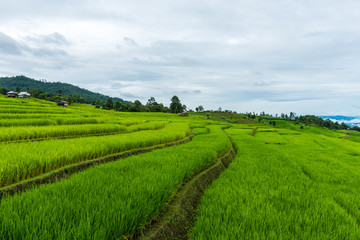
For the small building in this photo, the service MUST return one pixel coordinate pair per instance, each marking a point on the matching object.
(62, 103)
(24, 95)
(12, 94)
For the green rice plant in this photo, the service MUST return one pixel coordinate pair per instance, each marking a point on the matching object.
(37, 116)
(109, 201)
(38, 110)
(145, 126)
(198, 124)
(24, 104)
(42, 132)
(74, 121)
(47, 132)
(28, 159)
(26, 122)
(49, 121)
(307, 188)
(129, 122)
(200, 130)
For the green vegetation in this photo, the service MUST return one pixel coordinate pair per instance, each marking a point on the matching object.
(57, 91)
(49, 90)
(111, 200)
(292, 177)
(284, 185)
(40, 132)
(21, 161)
(51, 121)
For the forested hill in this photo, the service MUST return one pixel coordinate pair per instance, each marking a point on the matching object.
(25, 83)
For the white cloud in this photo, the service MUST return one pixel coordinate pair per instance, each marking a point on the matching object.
(274, 56)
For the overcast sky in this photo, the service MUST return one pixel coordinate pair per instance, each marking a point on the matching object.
(254, 55)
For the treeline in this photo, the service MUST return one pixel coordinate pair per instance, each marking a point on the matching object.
(311, 119)
(49, 90)
(307, 119)
(58, 96)
(151, 106)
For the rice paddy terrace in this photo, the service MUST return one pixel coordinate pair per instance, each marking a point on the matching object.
(86, 173)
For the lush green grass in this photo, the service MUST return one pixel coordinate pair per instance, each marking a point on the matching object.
(286, 182)
(110, 200)
(20, 161)
(44, 116)
(49, 121)
(351, 135)
(45, 132)
(200, 130)
(307, 188)
(30, 133)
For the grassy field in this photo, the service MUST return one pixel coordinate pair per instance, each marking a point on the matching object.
(284, 185)
(111, 200)
(288, 181)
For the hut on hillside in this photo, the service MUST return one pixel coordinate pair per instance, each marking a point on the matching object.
(12, 94)
(62, 103)
(24, 95)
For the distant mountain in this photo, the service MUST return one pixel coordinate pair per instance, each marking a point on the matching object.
(349, 120)
(23, 82)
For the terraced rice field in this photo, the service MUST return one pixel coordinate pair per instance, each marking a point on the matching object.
(284, 184)
(116, 199)
(86, 173)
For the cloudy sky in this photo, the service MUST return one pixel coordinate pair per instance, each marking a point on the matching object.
(259, 55)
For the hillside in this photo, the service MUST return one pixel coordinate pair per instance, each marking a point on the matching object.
(88, 173)
(24, 83)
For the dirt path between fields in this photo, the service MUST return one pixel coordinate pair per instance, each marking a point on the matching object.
(179, 216)
(65, 172)
(344, 137)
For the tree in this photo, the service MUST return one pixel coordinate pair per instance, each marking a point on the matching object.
(18, 89)
(219, 109)
(3, 91)
(124, 107)
(175, 105)
(59, 92)
(152, 105)
(356, 128)
(344, 126)
(69, 99)
(292, 115)
(199, 109)
(184, 107)
(163, 108)
(137, 105)
(151, 101)
(117, 106)
(109, 103)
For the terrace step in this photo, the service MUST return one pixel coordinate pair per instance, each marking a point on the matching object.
(57, 175)
(179, 216)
